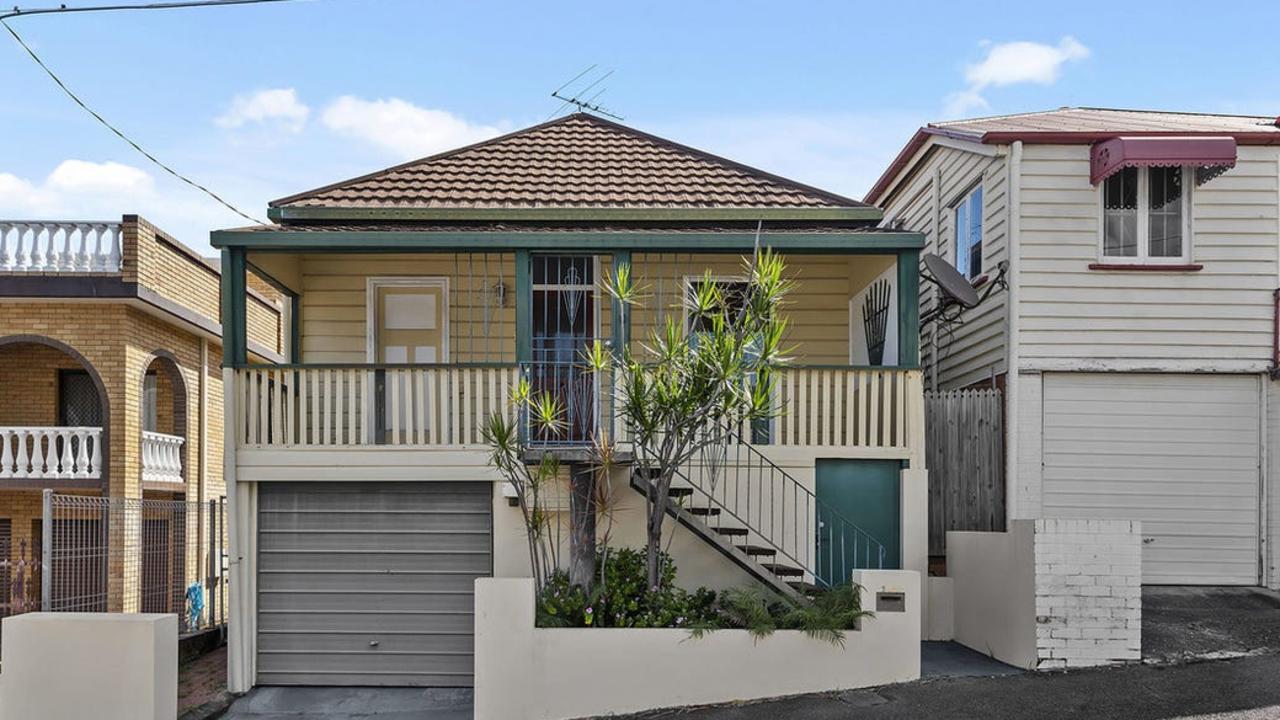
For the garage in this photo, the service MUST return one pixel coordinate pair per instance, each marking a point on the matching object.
(370, 583)
(1179, 452)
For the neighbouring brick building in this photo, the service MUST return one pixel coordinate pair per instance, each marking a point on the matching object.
(110, 385)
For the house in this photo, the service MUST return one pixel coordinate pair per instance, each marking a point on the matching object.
(363, 507)
(1136, 342)
(111, 402)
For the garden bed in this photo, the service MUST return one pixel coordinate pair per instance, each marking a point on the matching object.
(554, 673)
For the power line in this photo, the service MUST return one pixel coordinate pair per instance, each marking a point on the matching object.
(75, 98)
(148, 6)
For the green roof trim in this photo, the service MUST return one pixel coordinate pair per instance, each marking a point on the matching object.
(561, 241)
(574, 214)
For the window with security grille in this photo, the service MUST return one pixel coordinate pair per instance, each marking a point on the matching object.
(78, 404)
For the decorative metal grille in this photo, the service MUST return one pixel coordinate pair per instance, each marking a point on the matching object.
(875, 320)
(565, 323)
(78, 404)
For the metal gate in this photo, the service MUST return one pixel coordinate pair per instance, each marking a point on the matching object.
(964, 444)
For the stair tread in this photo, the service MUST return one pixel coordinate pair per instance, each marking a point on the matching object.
(757, 550)
(702, 511)
(802, 587)
(680, 491)
(779, 569)
(730, 530)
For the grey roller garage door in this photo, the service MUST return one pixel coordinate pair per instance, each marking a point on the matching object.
(370, 583)
(1178, 452)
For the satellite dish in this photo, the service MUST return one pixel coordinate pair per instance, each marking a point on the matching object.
(957, 289)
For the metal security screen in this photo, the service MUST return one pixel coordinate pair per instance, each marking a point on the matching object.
(565, 323)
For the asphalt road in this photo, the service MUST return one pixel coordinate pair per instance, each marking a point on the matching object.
(1137, 692)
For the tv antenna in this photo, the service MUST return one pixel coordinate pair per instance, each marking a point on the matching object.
(580, 99)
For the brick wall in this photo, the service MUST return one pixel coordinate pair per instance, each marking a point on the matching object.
(29, 383)
(1088, 592)
(161, 264)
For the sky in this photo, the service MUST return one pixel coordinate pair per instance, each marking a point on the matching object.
(262, 101)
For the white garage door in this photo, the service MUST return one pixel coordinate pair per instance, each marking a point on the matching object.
(1178, 452)
(370, 583)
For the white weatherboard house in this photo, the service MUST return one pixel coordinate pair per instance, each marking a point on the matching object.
(1137, 337)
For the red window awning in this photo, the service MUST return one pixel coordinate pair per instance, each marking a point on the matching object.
(1211, 156)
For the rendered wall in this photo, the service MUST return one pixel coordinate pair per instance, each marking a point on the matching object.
(1050, 594)
(59, 666)
(544, 674)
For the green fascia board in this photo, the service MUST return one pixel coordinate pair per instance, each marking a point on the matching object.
(566, 214)
(584, 241)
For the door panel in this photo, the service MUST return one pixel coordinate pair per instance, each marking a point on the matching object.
(363, 583)
(1178, 452)
(866, 493)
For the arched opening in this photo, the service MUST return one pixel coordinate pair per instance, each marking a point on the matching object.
(54, 422)
(163, 419)
(168, 530)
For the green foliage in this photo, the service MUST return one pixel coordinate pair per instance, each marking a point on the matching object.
(622, 599)
(827, 617)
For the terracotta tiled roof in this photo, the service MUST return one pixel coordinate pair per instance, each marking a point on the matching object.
(578, 161)
(1105, 120)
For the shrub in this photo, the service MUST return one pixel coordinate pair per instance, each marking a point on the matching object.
(622, 598)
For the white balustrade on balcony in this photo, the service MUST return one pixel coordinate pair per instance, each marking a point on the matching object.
(57, 453)
(161, 457)
(59, 246)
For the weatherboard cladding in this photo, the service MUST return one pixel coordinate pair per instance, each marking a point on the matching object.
(579, 161)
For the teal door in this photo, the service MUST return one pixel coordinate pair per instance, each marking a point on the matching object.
(859, 517)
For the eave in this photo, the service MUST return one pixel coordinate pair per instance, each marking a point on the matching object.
(578, 214)
(284, 240)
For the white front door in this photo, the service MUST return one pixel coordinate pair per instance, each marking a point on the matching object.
(408, 323)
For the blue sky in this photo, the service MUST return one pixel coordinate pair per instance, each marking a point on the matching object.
(262, 101)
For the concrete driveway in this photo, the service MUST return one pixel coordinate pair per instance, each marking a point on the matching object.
(1180, 624)
(290, 703)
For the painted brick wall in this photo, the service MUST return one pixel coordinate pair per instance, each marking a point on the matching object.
(1088, 590)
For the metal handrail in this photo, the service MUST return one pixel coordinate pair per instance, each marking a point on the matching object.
(770, 503)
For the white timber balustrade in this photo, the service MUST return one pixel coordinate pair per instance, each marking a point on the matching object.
(59, 246)
(161, 457)
(426, 405)
(55, 453)
(849, 407)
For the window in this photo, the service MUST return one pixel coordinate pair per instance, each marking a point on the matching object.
(78, 400)
(1144, 215)
(733, 292)
(969, 234)
(150, 389)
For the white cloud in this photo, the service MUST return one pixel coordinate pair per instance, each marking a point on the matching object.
(76, 189)
(82, 176)
(402, 128)
(277, 106)
(1014, 63)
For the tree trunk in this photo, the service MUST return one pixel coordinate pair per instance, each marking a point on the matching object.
(657, 495)
(582, 526)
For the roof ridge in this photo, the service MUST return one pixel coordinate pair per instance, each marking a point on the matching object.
(427, 158)
(1032, 113)
(1193, 113)
(592, 142)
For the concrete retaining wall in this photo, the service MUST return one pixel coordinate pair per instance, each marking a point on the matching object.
(1050, 593)
(70, 666)
(554, 673)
